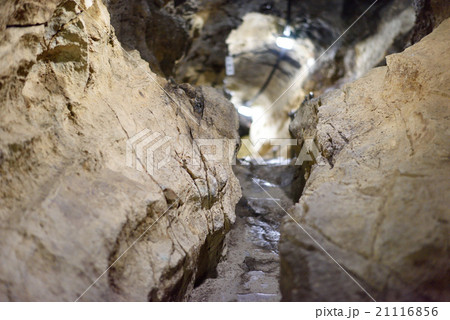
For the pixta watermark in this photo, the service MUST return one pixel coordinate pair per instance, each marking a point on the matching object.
(150, 151)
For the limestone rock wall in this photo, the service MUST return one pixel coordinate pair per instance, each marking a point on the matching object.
(70, 204)
(377, 200)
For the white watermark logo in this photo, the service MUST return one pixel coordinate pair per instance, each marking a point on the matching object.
(309, 152)
(150, 151)
(142, 149)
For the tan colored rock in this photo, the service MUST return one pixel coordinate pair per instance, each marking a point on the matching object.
(380, 203)
(70, 98)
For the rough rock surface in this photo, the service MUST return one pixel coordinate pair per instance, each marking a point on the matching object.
(378, 200)
(70, 99)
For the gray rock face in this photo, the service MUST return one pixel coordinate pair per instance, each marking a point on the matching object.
(429, 14)
(378, 200)
(73, 205)
(160, 37)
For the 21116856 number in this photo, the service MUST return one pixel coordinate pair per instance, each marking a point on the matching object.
(404, 312)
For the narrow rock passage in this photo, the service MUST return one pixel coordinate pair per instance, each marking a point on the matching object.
(250, 269)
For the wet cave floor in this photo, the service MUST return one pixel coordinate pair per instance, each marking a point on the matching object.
(251, 266)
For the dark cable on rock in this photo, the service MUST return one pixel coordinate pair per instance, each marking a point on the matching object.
(269, 78)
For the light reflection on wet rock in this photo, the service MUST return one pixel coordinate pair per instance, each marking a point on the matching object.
(250, 271)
